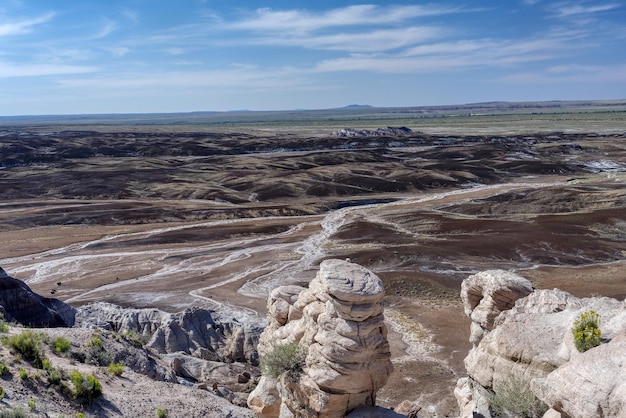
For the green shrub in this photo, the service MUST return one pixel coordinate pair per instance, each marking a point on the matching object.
(116, 369)
(28, 344)
(4, 327)
(13, 413)
(88, 387)
(95, 342)
(513, 398)
(2, 393)
(286, 358)
(32, 404)
(135, 338)
(587, 331)
(161, 412)
(61, 345)
(97, 355)
(55, 376)
(23, 374)
(4, 369)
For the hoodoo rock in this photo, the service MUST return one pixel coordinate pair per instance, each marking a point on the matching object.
(525, 334)
(339, 321)
(18, 303)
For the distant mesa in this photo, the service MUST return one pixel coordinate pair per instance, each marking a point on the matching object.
(357, 106)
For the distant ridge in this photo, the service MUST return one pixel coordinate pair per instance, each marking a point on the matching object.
(357, 106)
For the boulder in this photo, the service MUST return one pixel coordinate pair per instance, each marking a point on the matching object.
(592, 384)
(265, 399)
(339, 321)
(18, 303)
(488, 293)
(524, 333)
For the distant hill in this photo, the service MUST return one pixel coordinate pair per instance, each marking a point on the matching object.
(357, 106)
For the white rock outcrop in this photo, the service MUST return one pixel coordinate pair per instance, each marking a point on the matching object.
(527, 334)
(339, 321)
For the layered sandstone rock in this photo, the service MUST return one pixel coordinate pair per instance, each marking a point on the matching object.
(530, 338)
(18, 303)
(339, 320)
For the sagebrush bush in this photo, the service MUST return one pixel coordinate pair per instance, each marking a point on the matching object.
(61, 345)
(135, 338)
(161, 412)
(87, 387)
(116, 369)
(285, 358)
(587, 331)
(4, 369)
(4, 327)
(55, 376)
(28, 344)
(13, 413)
(513, 398)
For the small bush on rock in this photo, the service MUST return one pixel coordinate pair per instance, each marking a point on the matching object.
(587, 331)
(286, 358)
(515, 399)
(161, 412)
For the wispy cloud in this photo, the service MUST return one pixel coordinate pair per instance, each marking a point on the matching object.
(456, 55)
(23, 26)
(571, 73)
(567, 10)
(373, 40)
(107, 28)
(305, 21)
(238, 76)
(34, 70)
(117, 51)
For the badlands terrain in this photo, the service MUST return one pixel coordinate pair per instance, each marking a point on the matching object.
(216, 214)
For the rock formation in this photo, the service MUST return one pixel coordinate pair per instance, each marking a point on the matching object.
(364, 133)
(193, 331)
(527, 334)
(339, 321)
(18, 303)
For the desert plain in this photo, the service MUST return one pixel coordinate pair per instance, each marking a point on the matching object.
(172, 211)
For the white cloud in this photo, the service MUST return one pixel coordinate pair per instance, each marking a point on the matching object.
(36, 70)
(107, 28)
(23, 26)
(117, 51)
(238, 77)
(571, 73)
(375, 40)
(300, 21)
(577, 9)
(453, 56)
(131, 15)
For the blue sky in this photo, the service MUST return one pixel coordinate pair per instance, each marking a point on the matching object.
(115, 56)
